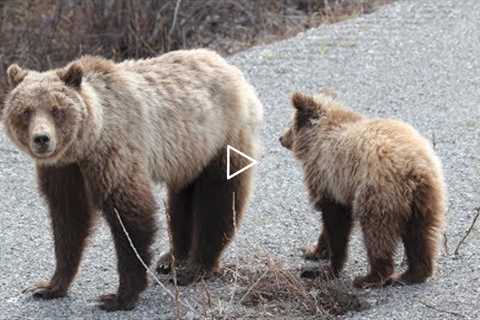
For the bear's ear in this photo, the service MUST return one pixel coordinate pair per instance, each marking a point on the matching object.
(302, 102)
(15, 75)
(72, 76)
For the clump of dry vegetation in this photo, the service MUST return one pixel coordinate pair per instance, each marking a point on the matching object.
(277, 291)
(45, 34)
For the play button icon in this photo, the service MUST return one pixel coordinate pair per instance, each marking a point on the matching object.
(251, 164)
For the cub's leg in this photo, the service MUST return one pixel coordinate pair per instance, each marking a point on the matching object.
(212, 204)
(180, 218)
(319, 250)
(71, 217)
(421, 237)
(380, 225)
(337, 223)
(131, 196)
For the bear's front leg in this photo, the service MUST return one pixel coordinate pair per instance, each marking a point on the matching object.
(337, 224)
(71, 216)
(134, 202)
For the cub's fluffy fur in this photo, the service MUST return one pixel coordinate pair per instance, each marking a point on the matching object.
(103, 133)
(379, 172)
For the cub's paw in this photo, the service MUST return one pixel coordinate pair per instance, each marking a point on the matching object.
(315, 252)
(164, 264)
(44, 290)
(370, 281)
(112, 302)
(407, 278)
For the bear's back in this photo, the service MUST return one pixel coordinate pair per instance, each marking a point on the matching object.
(383, 152)
(182, 108)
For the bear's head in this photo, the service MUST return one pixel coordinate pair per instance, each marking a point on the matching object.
(313, 118)
(44, 111)
(307, 110)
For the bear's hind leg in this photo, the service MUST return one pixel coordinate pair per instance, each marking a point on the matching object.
(380, 258)
(421, 238)
(380, 244)
(214, 224)
(179, 211)
(380, 225)
(420, 257)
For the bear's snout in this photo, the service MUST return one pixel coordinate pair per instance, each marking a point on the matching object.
(42, 135)
(42, 144)
(41, 141)
(286, 139)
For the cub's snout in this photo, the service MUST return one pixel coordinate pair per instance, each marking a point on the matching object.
(286, 139)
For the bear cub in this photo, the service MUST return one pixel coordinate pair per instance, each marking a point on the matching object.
(379, 172)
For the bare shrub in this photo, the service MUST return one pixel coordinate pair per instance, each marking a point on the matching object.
(49, 33)
(280, 291)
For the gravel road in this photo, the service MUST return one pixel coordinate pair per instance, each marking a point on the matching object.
(413, 60)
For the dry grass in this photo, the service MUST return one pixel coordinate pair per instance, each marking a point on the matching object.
(277, 291)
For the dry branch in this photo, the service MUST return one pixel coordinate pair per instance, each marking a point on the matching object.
(173, 263)
(472, 225)
(149, 271)
(453, 313)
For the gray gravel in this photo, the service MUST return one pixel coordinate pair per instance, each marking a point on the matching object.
(413, 60)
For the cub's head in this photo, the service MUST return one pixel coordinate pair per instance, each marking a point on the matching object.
(313, 116)
(307, 114)
(43, 112)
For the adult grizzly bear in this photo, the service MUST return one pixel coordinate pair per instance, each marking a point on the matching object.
(102, 133)
(379, 172)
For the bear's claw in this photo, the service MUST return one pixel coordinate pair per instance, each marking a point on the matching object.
(112, 302)
(44, 290)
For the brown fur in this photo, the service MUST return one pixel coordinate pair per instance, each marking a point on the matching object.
(102, 134)
(379, 172)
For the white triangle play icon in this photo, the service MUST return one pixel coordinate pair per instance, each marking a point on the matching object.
(251, 164)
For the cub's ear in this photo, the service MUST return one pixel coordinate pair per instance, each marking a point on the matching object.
(15, 75)
(72, 75)
(302, 102)
(328, 92)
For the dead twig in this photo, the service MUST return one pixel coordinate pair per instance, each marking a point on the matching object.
(175, 14)
(235, 273)
(445, 244)
(453, 313)
(477, 209)
(172, 264)
(140, 259)
(208, 296)
(254, 285)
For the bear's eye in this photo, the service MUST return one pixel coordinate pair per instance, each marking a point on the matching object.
(25, 115)
(56, 112)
